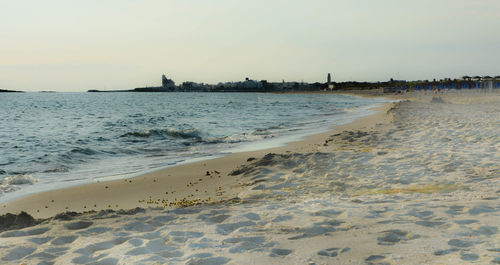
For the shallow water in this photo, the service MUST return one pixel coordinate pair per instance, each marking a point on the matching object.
(62, 139)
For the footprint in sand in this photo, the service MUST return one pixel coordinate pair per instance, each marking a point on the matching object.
(461, 243)
(95, 230)
(429, 223)
(243, 244)
(318, 229)
(445, 252)
(182, 236)
(392, 237)
(282, 218)
(78, 225)
(88, 260)
(280, 252)
(37, 231)
(162, 220)
(455, 210)
(469, 256)
(20, 233)
(42, 256)
(424, 215)
(213, 219)
(332, 252)
(89, 250)
(252, 216)
(40, 240)
(63, 240)
(208, 261)
(481, 209)
(135, 242)
(226, 229)
(465, 222)
(138, 227)
(57, 250)
(18, 253)
(374, 258)
(487, 230)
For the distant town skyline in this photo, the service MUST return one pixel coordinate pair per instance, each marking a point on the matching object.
(80, 45)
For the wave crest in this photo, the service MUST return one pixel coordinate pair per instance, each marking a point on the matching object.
(12, 183)
(184, 134)
(237, 138)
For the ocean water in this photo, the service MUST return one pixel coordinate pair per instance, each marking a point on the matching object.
(56, 140)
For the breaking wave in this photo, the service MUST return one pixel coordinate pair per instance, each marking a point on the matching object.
(12, 183)
(88, 136)
(194, 134)
(237, 138)
(184, 134)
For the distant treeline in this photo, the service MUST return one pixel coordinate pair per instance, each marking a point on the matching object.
(9, 91)
(259, 86)
(264, 86)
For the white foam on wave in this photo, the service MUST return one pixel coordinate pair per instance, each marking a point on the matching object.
(238, 138)
(12, 183)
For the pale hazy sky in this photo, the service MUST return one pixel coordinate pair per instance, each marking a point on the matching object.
(70, 45)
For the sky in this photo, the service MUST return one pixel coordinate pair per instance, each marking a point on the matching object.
(70, 45)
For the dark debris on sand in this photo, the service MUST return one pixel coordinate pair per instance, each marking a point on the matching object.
(22, 220)
(16, 221)
(270, 159)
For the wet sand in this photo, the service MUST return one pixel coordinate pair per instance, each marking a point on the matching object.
(416, 183)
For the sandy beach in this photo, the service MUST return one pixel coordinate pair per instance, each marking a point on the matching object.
(415, 183)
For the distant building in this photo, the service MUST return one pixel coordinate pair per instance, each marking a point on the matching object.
(196, 87)
(167, 83)
(329, 83)
(488, 82)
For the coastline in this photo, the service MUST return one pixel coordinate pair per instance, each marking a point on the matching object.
(174, 185)
(415, 184)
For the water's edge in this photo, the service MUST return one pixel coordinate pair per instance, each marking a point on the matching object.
(245, 147)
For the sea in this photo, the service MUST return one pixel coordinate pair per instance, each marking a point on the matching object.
(56, 140)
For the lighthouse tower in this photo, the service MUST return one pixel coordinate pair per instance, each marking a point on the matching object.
(329, 82)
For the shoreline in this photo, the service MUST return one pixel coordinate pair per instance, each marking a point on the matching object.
(174, 185)
(415, 184)
(93, 162)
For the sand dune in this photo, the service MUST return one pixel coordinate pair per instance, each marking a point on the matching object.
(414, 184)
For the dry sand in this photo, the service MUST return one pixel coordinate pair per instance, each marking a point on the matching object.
(416, 183)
